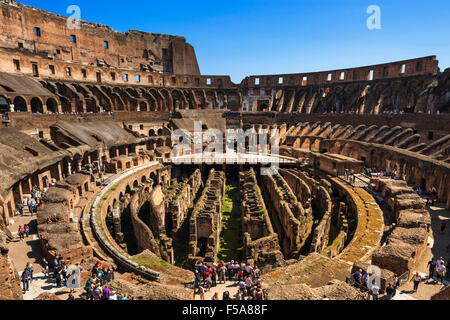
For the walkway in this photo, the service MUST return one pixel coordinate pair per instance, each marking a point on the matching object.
(437, 247)
(29, 250)
(230, 286)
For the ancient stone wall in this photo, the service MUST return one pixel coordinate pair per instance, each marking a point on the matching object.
(182, 199)
(260, 240)
(206, 220)
(32, 31)
(406, 243)
(291, 221)
(419, 66)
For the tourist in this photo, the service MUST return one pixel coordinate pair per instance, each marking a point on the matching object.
(240, 275)
(375, 292)
(238, 295)
(44, 264)
(26, 280)
(389, 292)
(441, 271)
(395, 284)
(364, 279)
(59, 277)
(109, 276)
(113, 296)
(27, 230)
(241, 285)
(30, 270)
(226, 296)
(230, 270)
(215, 297)
(20, 207)
(259, 294)
(202, 292)
(125, 297)
(256, 272)
(357, 276)
(208, 280)
(213, 276)
(64, 270)
(248, 284)
(431, 268)
(223, 271)
(21, 233)
(106, 293)
(88, 288)
(417, 280)
(30, 206)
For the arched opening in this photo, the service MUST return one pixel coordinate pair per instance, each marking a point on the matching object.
(4, 105)
(36, 106)
(52, 106)
(153, 178)
(151, 133)
(20, 105)
(160, 132)
(143, 107)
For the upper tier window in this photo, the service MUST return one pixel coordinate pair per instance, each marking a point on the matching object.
(37, 32)
(73, 38)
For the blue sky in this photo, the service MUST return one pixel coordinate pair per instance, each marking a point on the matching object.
(255, 37)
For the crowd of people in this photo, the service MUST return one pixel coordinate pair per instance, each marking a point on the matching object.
(34, 202)
(96, 286)
(361, 281)
(246, 277)
(431, 195)
(438, 267)
(437, 271)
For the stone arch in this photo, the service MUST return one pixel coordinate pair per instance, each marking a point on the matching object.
(143, 107)
(20, 104)
(52, 105)
(151, 133)
(167, 99)
(4, 104)
(153, 178)
(128, 189)
(160, 132)
(36, 105)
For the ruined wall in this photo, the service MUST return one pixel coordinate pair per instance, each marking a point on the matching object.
(206, 220)
(134, 49)
(10, 288)
(412, 94)
(143, 233)
(261, 246)
(182, 199)
(419, 66)
(291, 222)
(406, 243)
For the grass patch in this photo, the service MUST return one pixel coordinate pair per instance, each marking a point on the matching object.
(230, 244)
(150, 262)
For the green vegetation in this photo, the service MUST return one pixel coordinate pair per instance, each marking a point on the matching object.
(230, 245)
(151, 262)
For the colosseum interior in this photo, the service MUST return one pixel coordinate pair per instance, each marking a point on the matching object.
(90, 119)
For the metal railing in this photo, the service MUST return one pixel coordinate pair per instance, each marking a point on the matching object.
(359, 286)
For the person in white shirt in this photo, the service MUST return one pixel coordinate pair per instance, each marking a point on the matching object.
(113, 296)
(417, 279)
(375, 292)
